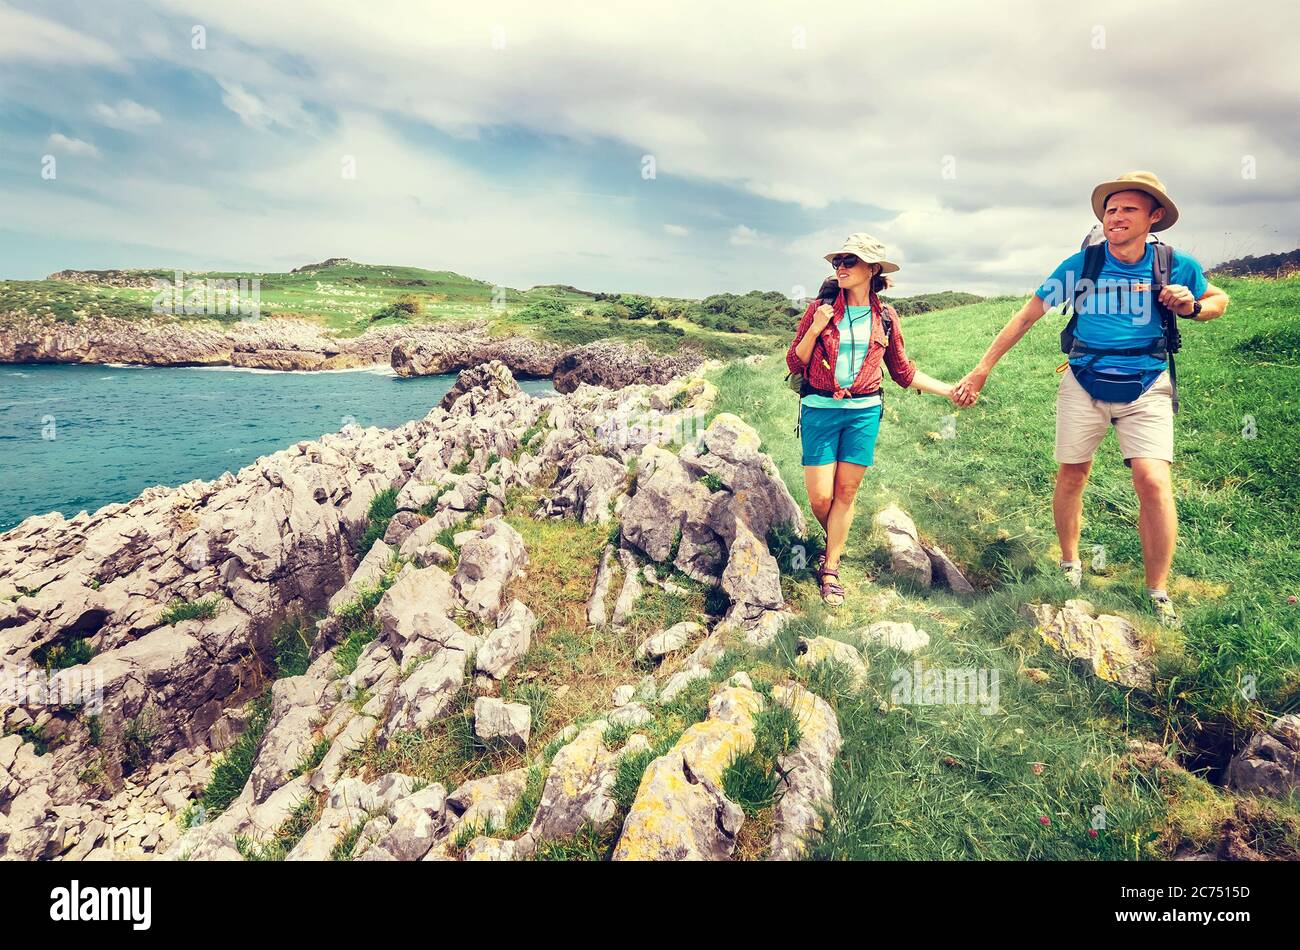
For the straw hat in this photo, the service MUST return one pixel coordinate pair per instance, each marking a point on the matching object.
(1136, 181)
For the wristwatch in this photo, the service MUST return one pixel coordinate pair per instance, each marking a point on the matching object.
(1196, 312)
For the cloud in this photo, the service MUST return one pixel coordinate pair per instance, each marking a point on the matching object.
(744, 236)
(72, 146)
(676, 230)
(261, 112)
(25, 37)
(127, 114)
(968, 142)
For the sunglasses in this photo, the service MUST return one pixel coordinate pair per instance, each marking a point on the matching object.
(845, 260)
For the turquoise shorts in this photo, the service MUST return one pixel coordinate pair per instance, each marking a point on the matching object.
(839, 435)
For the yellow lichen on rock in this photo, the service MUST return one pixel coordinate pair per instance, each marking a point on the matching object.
(680, 811)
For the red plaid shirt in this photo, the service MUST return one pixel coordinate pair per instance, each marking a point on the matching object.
(821, 370)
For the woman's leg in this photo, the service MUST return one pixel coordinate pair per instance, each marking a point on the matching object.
(819, 480)
(847, 478)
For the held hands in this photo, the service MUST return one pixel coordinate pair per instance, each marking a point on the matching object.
(1178, 298)
(968, 389)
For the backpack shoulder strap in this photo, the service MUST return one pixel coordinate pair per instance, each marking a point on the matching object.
(1094, 256)
(887, 317)
(1161, 268)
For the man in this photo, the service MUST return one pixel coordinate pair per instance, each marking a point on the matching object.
(1118, 368)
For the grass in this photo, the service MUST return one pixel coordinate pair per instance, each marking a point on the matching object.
(292, 648)
(231, 772)
(64, 653)
(927, 782)
(138, 737)
(178, 611)
(382, 508)
(287, 835)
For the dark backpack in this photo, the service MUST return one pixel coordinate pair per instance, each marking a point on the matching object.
(1163, 346)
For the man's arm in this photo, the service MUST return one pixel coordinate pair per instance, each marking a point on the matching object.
(968, 390)
(1179, 299)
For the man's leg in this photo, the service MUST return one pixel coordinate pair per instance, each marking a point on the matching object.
(1157, 519)
(1067, 506)
(848, 477)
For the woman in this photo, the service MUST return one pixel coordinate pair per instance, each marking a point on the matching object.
(839, 349)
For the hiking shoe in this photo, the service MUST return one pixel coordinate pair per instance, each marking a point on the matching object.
(1073, 574)
(1164, 611)
(832, 592)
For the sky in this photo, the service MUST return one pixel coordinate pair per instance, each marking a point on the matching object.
(670, 148)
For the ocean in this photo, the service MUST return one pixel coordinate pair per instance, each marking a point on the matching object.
(76, 437)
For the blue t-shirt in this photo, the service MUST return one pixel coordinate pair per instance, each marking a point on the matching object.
(855, 339)
(1120, 313)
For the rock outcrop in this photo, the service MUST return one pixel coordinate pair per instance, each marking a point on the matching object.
(182, 595)
(614, 365)
(1269, 764)
(267, 343)
(448, 353)
(1105, 645)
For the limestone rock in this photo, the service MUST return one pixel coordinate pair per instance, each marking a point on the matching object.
(659, 645)
(486, 802)
(1269, 764)
(815, 650)
(509, 722)
(907, 557)
(899, 636)
(488, 562)
(680, 811)
(805, 771)
(1106, 645)
(945, 573)
(428, 693)
(506, 645)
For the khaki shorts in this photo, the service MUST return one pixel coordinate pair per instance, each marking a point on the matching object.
(1144, 427)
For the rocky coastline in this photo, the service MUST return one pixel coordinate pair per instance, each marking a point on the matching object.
(295, 345)
(279, 540)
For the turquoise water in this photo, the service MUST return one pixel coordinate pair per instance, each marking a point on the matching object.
(74, 437)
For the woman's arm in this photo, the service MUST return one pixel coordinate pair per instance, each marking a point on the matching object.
(928, 384)
(805, 338)
(796, 357)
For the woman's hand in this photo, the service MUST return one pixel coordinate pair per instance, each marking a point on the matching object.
(968, 389)
(821, 318)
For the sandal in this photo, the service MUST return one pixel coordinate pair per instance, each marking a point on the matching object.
(832, 591)
(819, 567)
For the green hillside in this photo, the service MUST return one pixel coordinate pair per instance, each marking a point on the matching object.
(951, 782)
(350, 298)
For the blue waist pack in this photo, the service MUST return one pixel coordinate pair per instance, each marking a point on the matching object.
(1114, 387)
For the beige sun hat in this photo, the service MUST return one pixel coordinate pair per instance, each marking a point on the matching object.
(1136, 181)
(867, 249)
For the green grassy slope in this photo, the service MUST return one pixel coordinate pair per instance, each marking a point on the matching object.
(950, 781)
(349, 298)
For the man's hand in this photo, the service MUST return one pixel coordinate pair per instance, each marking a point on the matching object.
(968, 389)
(1178, 298)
